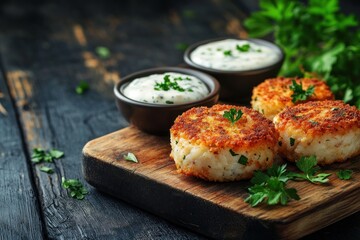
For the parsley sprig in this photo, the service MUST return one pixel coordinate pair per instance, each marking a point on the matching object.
(233, 115)
(299, 93)
(270, 187)
(75, 187)
(309, 168)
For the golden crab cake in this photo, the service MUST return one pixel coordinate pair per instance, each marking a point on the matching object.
(273, 95)
(330, 130)
(208, 145)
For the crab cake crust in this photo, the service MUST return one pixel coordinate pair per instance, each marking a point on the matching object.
(207, 145)
(273, 95)
(328, 129)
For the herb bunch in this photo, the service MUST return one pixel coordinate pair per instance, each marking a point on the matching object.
(315, 36)
(270, 187)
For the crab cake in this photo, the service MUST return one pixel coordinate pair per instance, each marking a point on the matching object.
(273, 95)
(328, 129)
(208, 145)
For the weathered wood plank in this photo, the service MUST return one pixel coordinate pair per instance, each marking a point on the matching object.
(20, 217)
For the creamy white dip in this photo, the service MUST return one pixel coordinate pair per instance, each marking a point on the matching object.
(234, 55)
(166, 88)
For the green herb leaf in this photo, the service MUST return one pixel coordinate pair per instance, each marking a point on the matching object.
(75, 187)
(130, 157)
(323, 20)
(181, 46)
(308, 165)
(39, 155)
(56, 153)
(82, 87)
(300, 94)
(233, 115)
(270, 187)
(167, 84)
(102, 52)
(344, 174)
(243, 160)
(292, 141)
(169, 102)
(227, 53)
(46, 169)
(243, 48)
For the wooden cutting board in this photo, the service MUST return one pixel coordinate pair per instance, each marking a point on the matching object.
(216, 210)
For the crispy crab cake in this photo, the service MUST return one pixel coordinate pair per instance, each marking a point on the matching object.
(207, 145)
(273, 95)
(330, 130)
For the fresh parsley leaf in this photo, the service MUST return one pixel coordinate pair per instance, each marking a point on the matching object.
(82, 87)
(130, 157)
(344, 174)
(308, 165)
(75, 187)
(243, 160)
(243, 48)
(102, 52)
(56, 153)
(40, 155)
(227, 53)
(329, 60)
(270, 187)
(233, 115)
(181, 46)
(299, 93)
(46, 169)
(292, 141)
(169, 102)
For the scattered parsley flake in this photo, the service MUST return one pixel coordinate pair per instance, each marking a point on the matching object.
(46, 169)
(82, 87)
(102, 52)
(292, 141)
(75, 187)
(130, 157)
(227, 53)
(344, 174)
(181, 46)
(243, 160)
(169, 102)
(243, 48)
(40, 155)
(300, 94)
(167, 84)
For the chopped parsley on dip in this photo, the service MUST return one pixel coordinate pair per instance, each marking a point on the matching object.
(166, 88)
(234, 55)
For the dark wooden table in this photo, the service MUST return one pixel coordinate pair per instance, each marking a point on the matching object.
(46, 49)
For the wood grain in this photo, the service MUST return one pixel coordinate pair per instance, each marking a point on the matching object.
(106, 169)
(20, 217)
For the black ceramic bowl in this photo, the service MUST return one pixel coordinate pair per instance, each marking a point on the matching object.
(158, 118)
(236, 86)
